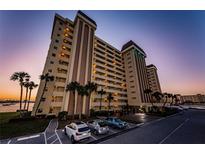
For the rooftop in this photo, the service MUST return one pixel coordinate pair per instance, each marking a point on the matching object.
(85, 16)
(130, 43)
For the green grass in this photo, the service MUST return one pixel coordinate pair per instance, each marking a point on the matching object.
(6, 116)
(20, 128)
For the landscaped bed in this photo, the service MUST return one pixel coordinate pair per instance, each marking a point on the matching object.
(19, 127)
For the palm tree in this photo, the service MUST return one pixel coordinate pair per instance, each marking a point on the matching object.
(32, 85)
(157, 95)
(91, 87)
(101, 93)
(20, 77)
(26, 85)
(166, 97)
(149, 91)
(82, 91)
(169, 96)
(47, 78)
(72, 87)
(174, 97)
(110, 98)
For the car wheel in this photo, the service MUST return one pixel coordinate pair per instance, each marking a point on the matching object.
(72, 139)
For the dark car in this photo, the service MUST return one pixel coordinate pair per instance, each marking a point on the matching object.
(116, 122)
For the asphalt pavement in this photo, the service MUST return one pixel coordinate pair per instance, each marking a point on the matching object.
(187, 127)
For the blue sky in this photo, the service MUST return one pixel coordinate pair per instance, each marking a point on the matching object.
(172, 40)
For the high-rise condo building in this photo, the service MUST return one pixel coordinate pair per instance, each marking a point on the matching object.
(153, 78)
(77, 54)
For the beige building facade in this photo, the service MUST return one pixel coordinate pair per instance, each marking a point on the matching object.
(199, 98)
(77, 54)
(153, 78)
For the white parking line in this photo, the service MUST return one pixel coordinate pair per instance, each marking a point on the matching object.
(58, 137)
(9, 142)
(29, 137)
(93, 137)
(44, 134)
(57, 134)
(140, 124)
(48, 125)
(51, 136)
(54, 141)
(173, 131)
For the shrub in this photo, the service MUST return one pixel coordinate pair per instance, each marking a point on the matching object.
(51, 116)
(42, 116)
(63, 116)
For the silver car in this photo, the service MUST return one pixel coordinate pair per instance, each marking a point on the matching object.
(98, 126)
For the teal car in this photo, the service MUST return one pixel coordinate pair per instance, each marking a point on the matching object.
(116, 122)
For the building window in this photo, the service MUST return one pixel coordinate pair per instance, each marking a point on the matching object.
(67, 35)
(63, 63)
(133, 97)
(50, 70)
(55, 47)
(53, 54)
(64, 55)
(61, 23)
(59, 29)
(60, 89)
(58, 34)
(51, 62)
(58, 98)
(57, 41)
(59, 79)
(66, 48)
(67, 42)
(63, 71)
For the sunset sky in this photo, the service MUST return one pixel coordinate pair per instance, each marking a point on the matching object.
(174, 41)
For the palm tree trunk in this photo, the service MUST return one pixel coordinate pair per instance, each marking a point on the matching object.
(41, 98)
(74, 105)
(81, 108)
(29, 98)
(21, 98)
(165, 103)
(100, 101)
(109, 108)
(26, 98)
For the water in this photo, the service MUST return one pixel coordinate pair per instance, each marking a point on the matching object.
(13, 107)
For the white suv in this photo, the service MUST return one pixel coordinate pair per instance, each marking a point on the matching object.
(77, 131)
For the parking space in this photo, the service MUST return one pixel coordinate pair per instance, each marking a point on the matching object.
(66, 140)
(27, 139)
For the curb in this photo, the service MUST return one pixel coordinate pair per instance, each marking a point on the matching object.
(194, 108)
(115, 134)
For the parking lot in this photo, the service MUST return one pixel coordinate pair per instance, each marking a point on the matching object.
(65, 139)
(52, 135)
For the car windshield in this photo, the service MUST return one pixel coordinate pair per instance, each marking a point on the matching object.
(102, 124)
(118, 120)
(83, 129)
